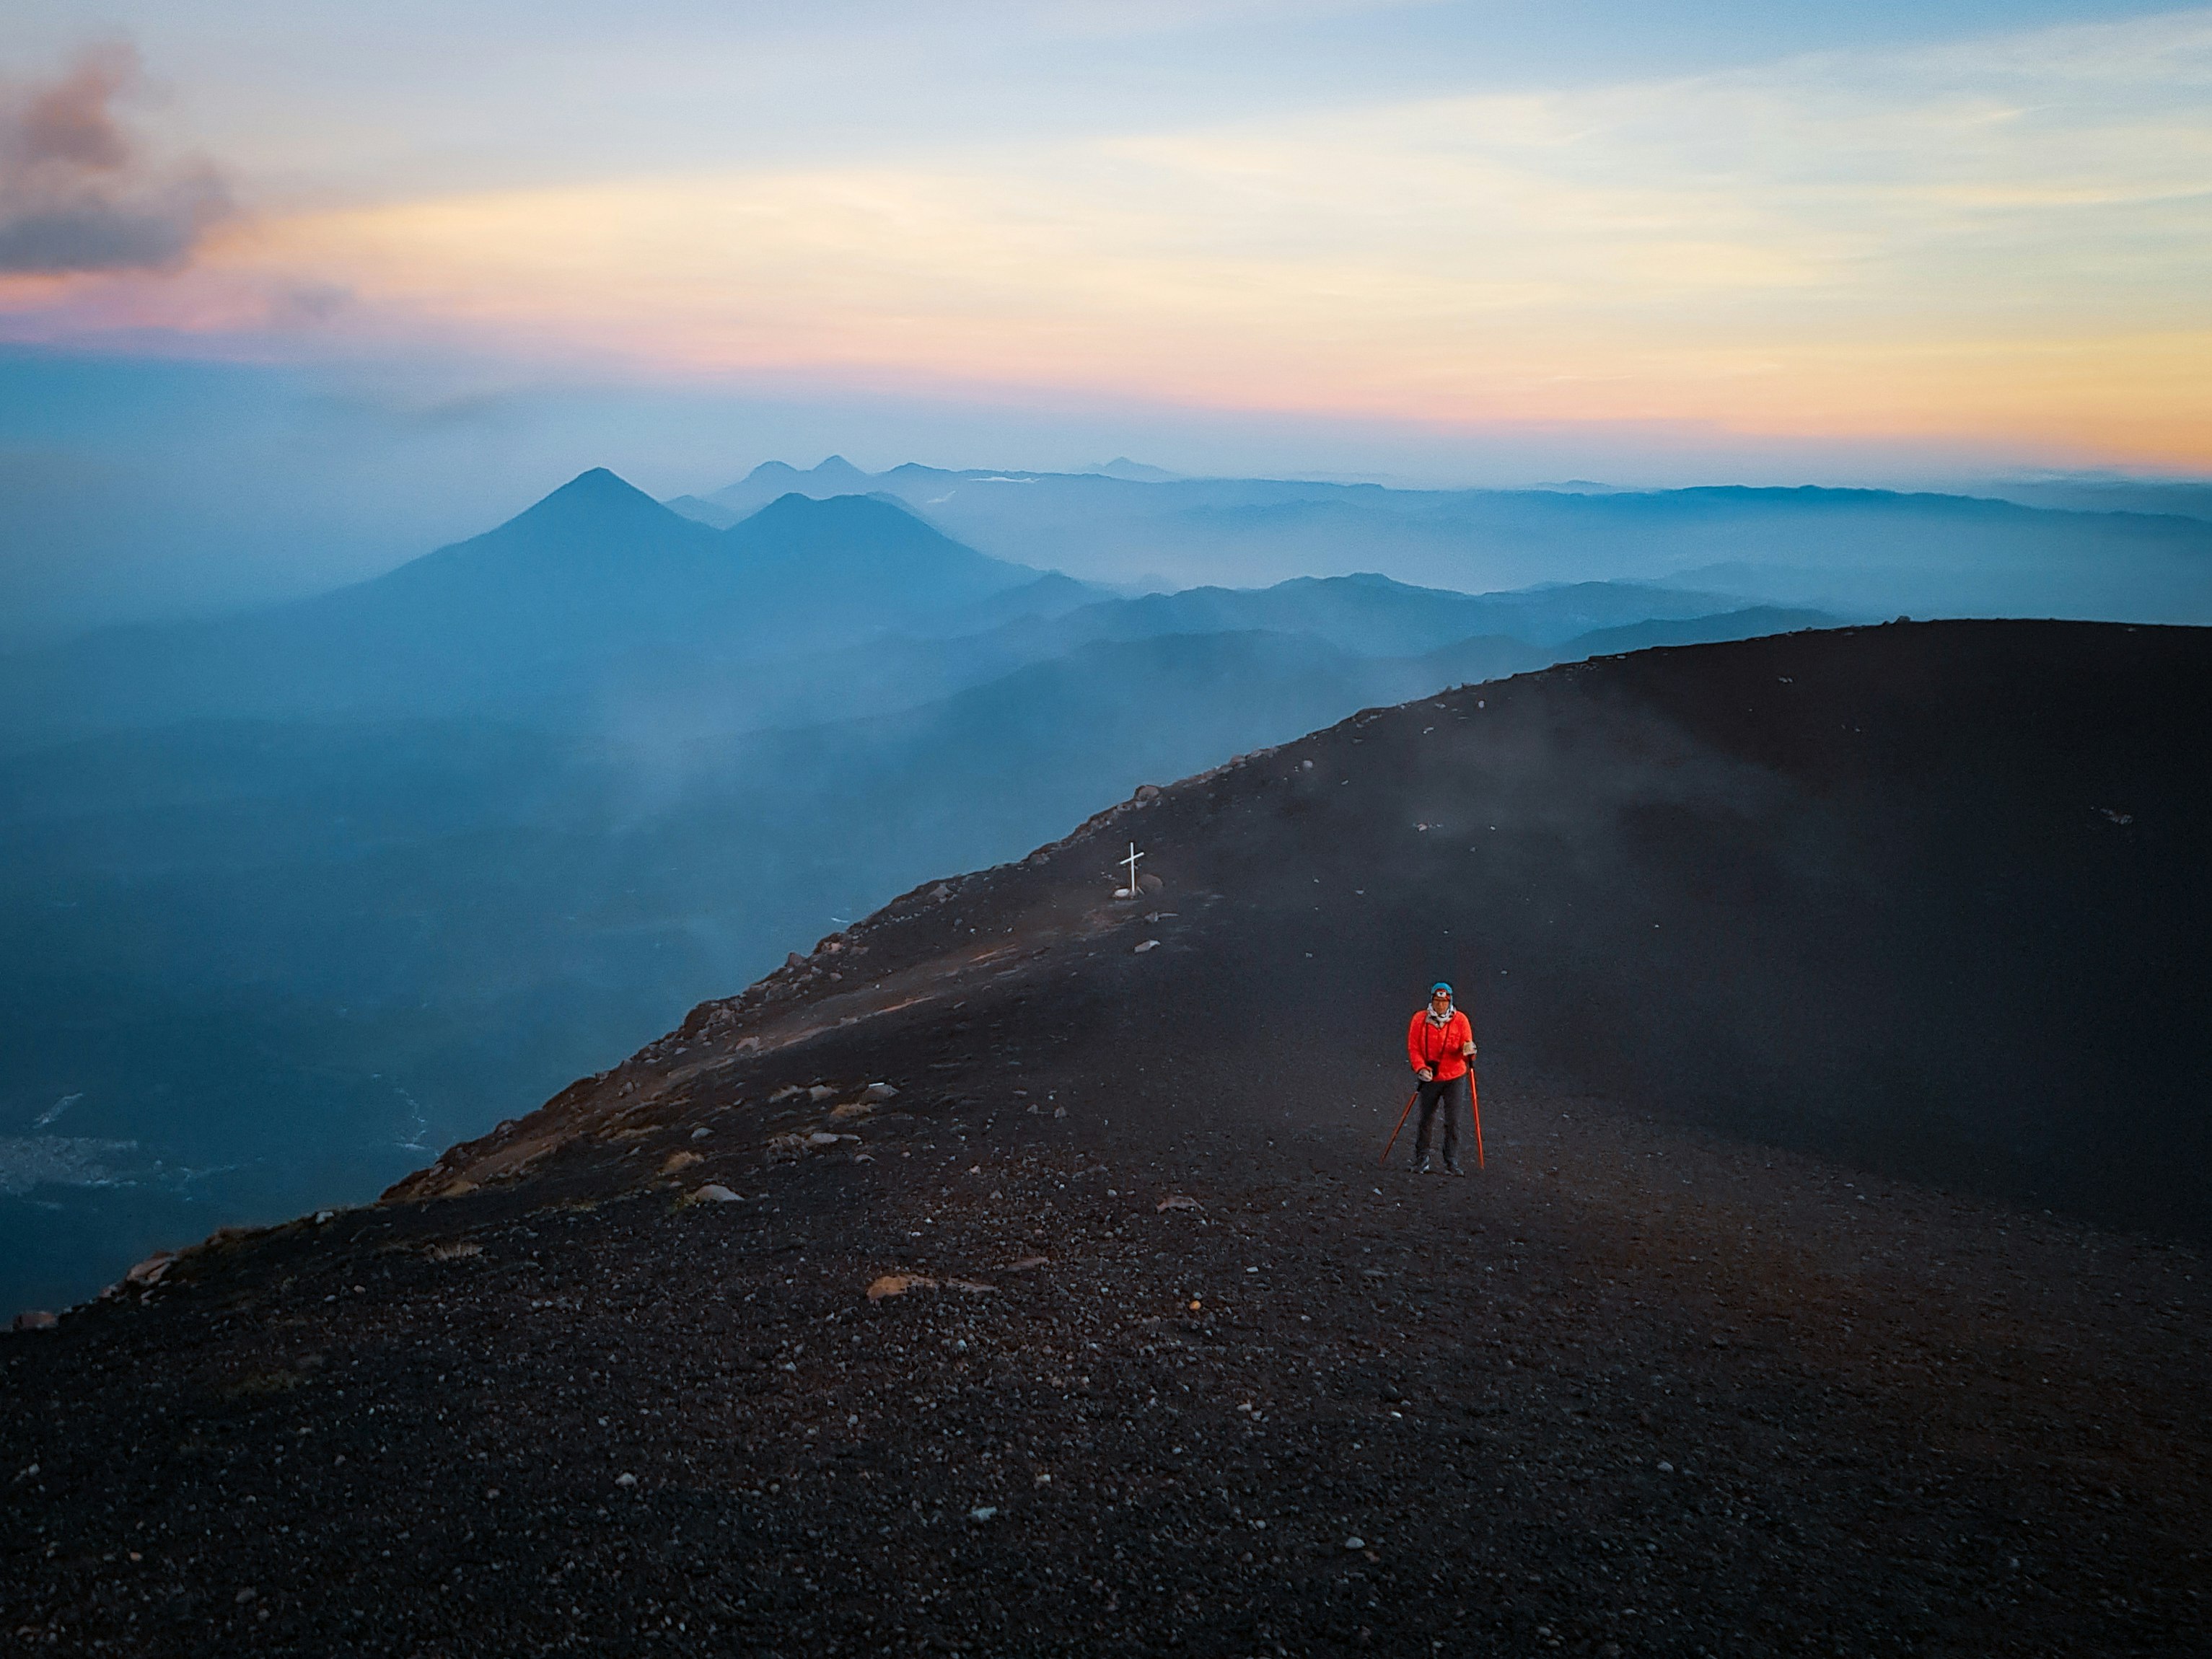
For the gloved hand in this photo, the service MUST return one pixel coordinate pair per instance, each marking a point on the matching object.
(1425, 1074)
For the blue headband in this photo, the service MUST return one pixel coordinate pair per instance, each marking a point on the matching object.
(1440, 985)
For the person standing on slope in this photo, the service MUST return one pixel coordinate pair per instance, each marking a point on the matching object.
(1440, 1042)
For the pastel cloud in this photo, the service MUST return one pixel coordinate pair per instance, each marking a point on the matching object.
(79, 193)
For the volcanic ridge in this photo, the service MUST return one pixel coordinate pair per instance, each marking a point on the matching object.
(1015, 1272)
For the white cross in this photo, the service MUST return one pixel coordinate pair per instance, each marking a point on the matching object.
(1130, 891)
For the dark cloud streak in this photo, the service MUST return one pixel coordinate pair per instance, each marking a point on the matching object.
(77, 191)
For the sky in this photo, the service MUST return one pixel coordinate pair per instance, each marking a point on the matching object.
(289, 293)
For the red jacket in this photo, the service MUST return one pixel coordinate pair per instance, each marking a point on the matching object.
(1438, 1046)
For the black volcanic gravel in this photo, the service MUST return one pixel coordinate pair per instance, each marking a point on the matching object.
(1636, 1388)
(1627, 1389)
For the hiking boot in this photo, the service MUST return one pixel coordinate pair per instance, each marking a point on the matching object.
(1451, 1167)
(1421, 1165)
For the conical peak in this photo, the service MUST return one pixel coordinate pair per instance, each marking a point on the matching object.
(595, 485)
(595, 495)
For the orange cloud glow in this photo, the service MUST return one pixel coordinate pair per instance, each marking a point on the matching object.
(2004, 242)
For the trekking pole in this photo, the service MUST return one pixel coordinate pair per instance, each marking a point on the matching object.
(1474, 1105)
(1402, 1116)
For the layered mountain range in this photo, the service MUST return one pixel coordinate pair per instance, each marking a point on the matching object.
(2140, 553)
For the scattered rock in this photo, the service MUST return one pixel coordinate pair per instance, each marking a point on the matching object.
(786, 1092)
(792, 959)
(1147, 791)
(675, 1161)
(625, 1480)
(324, 1215)
(824, 1138)
(899, 1285)
(983, 1512)
(1149, 883)
(1177, 1202)
(454, 1250)
(701, 1133)
(1027, 1262)
(1355, 1543)
(714, 1192)
(1149, 945)
(821, 1091)
(876, 1093)
(940, 893)
(149, 1272)
(35, 1319)
(245, 1595)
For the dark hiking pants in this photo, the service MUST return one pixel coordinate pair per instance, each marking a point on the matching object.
(1450, 1094)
